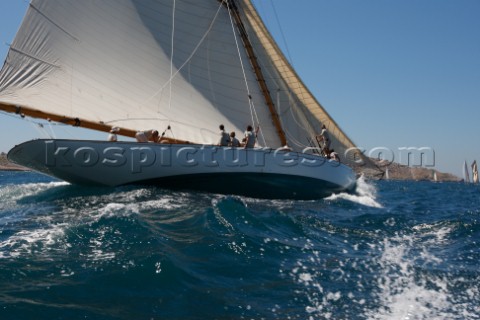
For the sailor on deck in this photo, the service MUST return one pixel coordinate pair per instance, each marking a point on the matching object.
(224, 137)
(113, 134)
(249, 140)
(325, 137)
(334, 156)
(233, 141)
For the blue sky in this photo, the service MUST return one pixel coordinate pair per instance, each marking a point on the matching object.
(393, 74)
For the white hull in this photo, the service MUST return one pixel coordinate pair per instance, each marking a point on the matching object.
(263, 173)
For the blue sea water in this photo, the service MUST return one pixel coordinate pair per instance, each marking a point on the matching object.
(392, 250)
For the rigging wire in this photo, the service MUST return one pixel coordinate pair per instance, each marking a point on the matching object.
(292, 105)
(38, 125)
(292, 136)
(253, 112)
(289, 59)
(281, 33)
(171, 55)
(187, 60)
(337, 132)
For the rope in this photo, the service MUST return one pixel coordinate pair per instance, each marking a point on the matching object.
(253, 112)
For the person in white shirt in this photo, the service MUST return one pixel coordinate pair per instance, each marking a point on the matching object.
(113, 134)
(224, 137)
(249, 140)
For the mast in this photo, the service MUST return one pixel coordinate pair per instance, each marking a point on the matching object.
(76, 122)
(230, 4)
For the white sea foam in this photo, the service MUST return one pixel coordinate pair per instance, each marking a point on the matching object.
(403, 293)
(365, 194)
(407, 284)
(135, 206)
(19, 191)
(27, 242)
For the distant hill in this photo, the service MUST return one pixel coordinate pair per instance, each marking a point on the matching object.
(401, 172)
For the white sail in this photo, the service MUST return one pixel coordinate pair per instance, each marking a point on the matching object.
(435, 178)
(112, 62)
(474, 172)
(387, 174)
(466, 175)
(189, 65)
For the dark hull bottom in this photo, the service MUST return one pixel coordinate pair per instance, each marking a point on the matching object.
(266, 186)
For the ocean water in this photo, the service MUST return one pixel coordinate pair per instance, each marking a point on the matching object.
(392, 250)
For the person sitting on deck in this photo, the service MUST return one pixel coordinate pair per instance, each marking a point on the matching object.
(148, 135)
(224, 137)
(234, 143)
(113, 134)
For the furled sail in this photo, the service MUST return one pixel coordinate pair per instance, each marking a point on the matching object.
(141, 64)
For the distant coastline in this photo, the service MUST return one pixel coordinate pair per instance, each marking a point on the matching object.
(6, 165)
(402, 172)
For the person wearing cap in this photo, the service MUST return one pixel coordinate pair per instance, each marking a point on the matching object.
(148, 135)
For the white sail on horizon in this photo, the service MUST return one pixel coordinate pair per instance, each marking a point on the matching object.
(474, 172)
(466, 175)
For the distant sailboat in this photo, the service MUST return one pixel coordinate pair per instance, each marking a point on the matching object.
(435, 179)
(466, 175)
(184, 65)
(474, 171)
(387, 174)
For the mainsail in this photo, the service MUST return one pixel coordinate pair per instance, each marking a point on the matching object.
(140, 64)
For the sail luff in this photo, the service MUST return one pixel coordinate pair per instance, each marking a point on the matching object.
(258, 71)
(75, 122)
